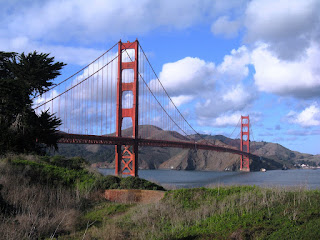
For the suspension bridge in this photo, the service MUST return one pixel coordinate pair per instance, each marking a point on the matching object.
(115, 99)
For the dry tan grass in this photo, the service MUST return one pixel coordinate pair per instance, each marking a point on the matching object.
(38, 210)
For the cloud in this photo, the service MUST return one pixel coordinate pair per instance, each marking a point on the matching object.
(284, 46)
(56, 23)
(309, 117)
(231, 94)
(298, 78)
(182, 99)
(214, 90)
(235, 99)
(235, 65)
(237, 96)
(229, 118)
(303, 132)
(287, 26)
(188, 76)
(282, 36)
(67, 54)
(225, 27)
(222, 121)
(81, 20)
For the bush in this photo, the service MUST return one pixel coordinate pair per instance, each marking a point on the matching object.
(75, 163)
(138, 183)
(71, 172)
(51, 174)
(114, 182)
(108, 182)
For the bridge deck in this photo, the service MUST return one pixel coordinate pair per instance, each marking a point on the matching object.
(112, 140)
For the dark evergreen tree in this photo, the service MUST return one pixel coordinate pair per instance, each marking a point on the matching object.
(21, 78)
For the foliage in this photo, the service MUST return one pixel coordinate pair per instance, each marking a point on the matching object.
(21, 78)
(114, 182)
(72, 172)
(53, 175)
(42, 196)
(108, 182)
(138, 183)
(75, 163)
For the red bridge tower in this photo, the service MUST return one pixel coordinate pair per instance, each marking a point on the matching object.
(245, 143)
(126, 157)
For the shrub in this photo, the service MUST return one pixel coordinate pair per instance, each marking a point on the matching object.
(138, 183)
(75, 163)
(108, 182)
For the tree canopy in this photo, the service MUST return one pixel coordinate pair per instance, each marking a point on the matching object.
(22, 77)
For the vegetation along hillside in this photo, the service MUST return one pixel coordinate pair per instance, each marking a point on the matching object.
(59, 198)
(42, 197)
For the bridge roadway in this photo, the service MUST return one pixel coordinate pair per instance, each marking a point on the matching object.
(112, 140)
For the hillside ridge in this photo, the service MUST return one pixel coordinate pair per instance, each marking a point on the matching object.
(271, 155)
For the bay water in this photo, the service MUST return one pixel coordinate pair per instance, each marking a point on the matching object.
(173, 179)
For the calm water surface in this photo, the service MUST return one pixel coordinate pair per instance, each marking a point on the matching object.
(188, 179)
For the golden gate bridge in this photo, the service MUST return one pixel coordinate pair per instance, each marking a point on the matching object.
(115, 99)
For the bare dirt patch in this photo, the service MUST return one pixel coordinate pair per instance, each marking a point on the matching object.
(133, 195)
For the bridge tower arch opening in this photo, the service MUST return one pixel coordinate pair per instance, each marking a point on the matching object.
(245, 143)
(126, 156)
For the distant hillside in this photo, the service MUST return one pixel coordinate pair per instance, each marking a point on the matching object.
(271, 155)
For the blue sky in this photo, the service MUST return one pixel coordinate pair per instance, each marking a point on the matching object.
(217, 59)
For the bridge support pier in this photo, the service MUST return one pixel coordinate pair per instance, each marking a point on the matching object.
(245, 144)
(126, 156)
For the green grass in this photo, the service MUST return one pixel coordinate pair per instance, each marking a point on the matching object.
(238, 212)
(193, 198)
(229, 212)
(102, 212)
(54, 175)
(74, 173)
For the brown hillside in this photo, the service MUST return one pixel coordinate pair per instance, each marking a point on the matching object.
(270, 155)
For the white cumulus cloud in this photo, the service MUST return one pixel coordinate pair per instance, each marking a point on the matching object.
(82, 20)
(182, 99)
(224, 120)
(227, 120)
(235, 65)
(187, 76)
(299, 78)
(236, 99)
(286, 25)
(213, 90)
(309, 117)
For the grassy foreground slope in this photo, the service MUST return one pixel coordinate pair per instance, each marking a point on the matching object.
(58, 198)
(220, 213)
(42, 197)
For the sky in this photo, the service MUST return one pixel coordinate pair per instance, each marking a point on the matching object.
(218, 60)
